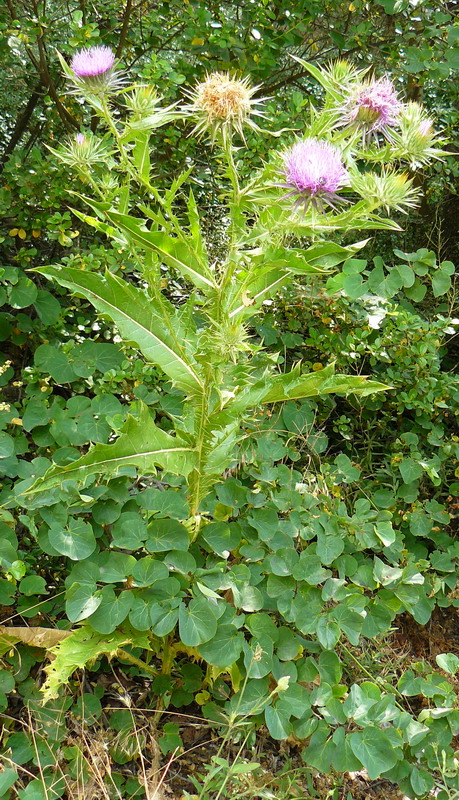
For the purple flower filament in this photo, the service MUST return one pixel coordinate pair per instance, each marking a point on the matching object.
(375, 107)
(93, 63)
(314, 173)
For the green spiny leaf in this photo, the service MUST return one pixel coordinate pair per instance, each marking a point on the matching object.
(153, 326)
(141, 444)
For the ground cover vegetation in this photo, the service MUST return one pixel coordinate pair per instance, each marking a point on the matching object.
(229, 560)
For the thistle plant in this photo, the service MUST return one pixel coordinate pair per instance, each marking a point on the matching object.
(261, 601)
(92, 70)
(210, 356)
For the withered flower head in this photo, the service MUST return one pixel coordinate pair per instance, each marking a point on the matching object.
(223, 104)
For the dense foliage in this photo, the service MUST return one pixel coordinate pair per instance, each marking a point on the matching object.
(258, 587)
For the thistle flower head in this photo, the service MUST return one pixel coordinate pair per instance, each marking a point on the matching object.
(389, 190)
(146, 113)
(416, 139)
(373, 106)
(222, 103)
(92, 70)
(425, 128)
(92, 62)
(142, 100)
(82, 150)
(314, 172)
(229, 338)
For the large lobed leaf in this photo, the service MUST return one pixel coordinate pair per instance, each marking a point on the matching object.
(81, 648)
(155, 328)
(294, 385)
(271, 270)
(177, 253)
(141, 444)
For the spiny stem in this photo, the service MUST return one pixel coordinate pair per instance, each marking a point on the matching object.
(137, 661)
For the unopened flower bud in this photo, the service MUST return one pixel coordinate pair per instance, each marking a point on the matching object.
(283, 683)
(82, 150)
(416, 140)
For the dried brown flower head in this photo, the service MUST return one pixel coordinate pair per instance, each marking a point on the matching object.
(222, 103)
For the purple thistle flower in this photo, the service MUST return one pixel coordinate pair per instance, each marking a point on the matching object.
(80, 138)
(373, 107)
(314, 172)
(425, 127)
(93, 62)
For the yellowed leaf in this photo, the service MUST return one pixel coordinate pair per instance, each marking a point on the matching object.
(35, 637)
(21, 233)
(246, 300)
(197, 41)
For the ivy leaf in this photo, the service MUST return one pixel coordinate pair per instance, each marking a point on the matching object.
(166, 534)
(23, 293)
(8, 778)
(375, 750)
(77, 541)
(329, 547)
(320, 749)
(410, 470)
(129, 531)
(55, 362)
(47, 307)
(112, 611)
(224, 648)
(441, 283)
(278, 723)
(197, 622)
(328, 633)
(422, 781)
(139, 615)
(163, 618)
(81, 601)
(448, 662)
(147, 570)
(222, 538)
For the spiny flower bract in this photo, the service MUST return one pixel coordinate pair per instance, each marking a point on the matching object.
(83, 150)
(222, 103)
(416, 140)
(314, 172)
(389, 190)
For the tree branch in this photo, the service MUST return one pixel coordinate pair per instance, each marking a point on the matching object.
(22, 122)
(124, 28)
